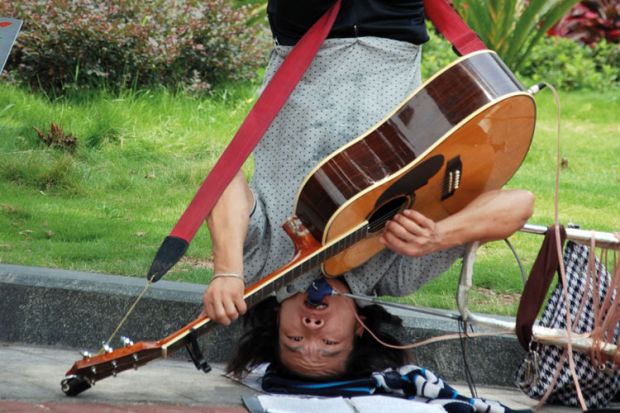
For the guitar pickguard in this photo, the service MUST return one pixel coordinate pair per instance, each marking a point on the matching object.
(411, 181)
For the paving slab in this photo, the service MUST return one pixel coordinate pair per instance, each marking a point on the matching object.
(30, 382)
(33, 373)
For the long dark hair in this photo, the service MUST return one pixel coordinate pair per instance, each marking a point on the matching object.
(259, 343)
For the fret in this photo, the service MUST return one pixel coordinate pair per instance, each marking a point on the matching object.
(305, 266)
(317, 259)
(254, 298)
(330, 251)
(290, 276)
(280, 282)
(309, 263)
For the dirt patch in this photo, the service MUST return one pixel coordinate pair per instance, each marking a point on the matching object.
(487, 296)
(198, 263)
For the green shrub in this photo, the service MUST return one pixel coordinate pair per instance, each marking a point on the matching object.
(512, 27)
(437, 53)
(564, 63)
(120, 44)
(607, 55)
(569, 65)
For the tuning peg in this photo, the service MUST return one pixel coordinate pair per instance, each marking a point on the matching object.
(85, 354)
(126, 341)
(106, 347)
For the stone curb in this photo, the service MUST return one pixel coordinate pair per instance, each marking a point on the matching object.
(79, 310)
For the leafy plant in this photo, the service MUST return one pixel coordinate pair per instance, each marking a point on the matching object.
(512, 27)
(566, 64)
(569, 65)
(121, 44)
(257, 10)
(437, 53)
(591, 21)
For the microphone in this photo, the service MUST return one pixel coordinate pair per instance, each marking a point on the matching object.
(317, 291)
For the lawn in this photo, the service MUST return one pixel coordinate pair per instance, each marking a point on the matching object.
(140, 157)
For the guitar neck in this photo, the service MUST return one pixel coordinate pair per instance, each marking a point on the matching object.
(299, 266)
(86, 372)
(259, 291)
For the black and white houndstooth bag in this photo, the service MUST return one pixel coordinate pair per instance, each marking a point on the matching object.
(536, 373)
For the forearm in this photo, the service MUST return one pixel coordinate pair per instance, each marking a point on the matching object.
(492, 216)
(228, 223)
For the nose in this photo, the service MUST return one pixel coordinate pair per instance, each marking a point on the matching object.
(313, 322)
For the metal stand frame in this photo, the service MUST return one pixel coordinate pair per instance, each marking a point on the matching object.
(580, 342)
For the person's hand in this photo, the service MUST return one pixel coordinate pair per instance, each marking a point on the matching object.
(223, 300)
(411, 233)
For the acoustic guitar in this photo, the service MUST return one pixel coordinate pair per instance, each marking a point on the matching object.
(463, 132)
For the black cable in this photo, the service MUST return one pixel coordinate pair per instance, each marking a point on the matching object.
(468, 374)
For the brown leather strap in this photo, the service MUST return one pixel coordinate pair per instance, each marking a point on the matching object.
(546, 265)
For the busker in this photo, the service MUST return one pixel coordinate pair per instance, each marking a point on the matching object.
(367, 66)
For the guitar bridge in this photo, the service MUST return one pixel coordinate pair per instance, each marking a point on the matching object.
(452, 177)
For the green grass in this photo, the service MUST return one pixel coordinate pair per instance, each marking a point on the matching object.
(107, 208)
(141, 156)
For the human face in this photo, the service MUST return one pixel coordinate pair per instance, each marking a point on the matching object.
(317, 341)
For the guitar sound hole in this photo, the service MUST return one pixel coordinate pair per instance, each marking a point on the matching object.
(377, 220)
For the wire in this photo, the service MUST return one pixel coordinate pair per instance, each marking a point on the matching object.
(468, 374)
(556, 220)
(518, 259)
(405, 307)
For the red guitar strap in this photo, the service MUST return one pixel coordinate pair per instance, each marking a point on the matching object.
(255, 125)
(243, 143)
(264, 112)
(452, 27)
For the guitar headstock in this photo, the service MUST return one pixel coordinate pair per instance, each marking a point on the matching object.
(84, 373)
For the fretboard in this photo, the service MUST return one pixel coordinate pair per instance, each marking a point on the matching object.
(278, 280)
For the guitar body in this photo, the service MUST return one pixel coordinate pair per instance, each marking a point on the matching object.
(464, 132)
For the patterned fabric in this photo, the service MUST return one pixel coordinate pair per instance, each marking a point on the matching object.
(351, 85)
(410, 382)
(598, 385)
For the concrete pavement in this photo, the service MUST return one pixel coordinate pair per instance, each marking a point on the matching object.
(31, 375)
(57, 312)
(30, 382)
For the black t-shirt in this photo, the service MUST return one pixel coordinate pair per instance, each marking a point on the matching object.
(393, 19)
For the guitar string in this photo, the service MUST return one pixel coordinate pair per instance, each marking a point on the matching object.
(135, 303)
(126, 316)
(375, 225)
(381, 221)
(354, 236)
